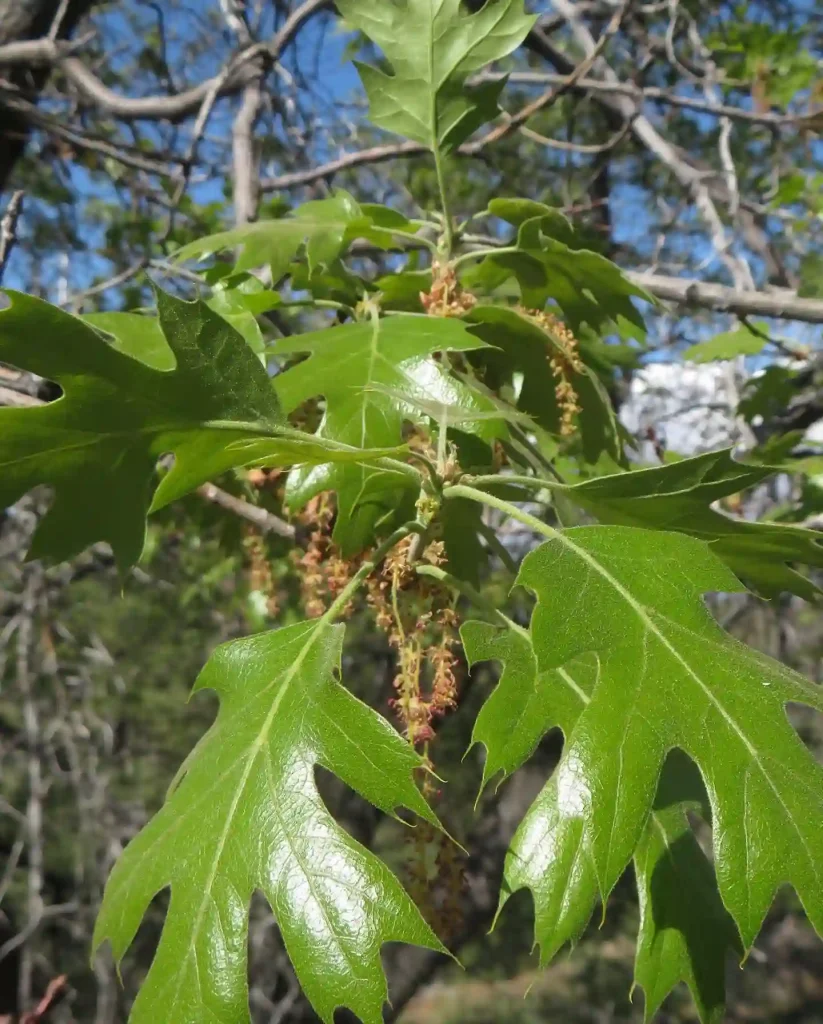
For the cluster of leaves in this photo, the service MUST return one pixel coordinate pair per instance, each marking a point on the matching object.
(484, 374)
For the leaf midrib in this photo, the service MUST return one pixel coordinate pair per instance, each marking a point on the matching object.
(254, 751)
(186, 426)
(652, 628)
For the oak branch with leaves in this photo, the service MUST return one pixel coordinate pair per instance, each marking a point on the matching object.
(445, 398)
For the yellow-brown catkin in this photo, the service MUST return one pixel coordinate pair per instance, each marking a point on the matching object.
(263, 479)
(261, 576)
(565, 361)
(446, 296)
(422, 628)
(323, 572)
(421, 625)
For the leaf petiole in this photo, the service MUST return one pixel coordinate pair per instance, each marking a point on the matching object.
(418, 239)
(535, 482)
(462, 491)
(479, 254)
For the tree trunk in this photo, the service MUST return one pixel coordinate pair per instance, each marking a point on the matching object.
(20, 20)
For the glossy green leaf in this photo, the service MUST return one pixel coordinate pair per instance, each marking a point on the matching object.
(526, 703)
(518, 344)
(402, 290)
(679, 497)
(373, 375)
(433, 46)
(98, 445)
(729, 345)
(245, 814)
(135, 335)
(686, 934)
(669, 678)
(325, 227)
(685, 931)
(232, 303)
(588, 288)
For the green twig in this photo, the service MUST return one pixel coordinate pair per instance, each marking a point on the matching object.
(448, 226)
(289, 433)
(341, 307)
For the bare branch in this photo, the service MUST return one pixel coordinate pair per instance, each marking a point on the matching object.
(375, 155)
(177, 107)
(8, 229)
(688, 176)
(36, 52)
(17, 399)
(246, 177)
(655, 95)
(780, 305)
(140, 161)
(260, 517)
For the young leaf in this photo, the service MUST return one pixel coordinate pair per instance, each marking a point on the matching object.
(325, 226)
(402, 290)
(669, 678)
(98, 445)
(433, 47)
(374, 375)
(588, 288)
(231, 305)
(247, 815)
(742, 342)
(517, 343)
(679, 497)
(462, 523)
(685, 931)
(553, 222)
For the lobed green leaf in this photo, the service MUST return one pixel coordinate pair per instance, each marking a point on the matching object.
(98, 445)
(589, 289)
(679, 496)
(669, 678)
(685, 931)
(325, 227)
(245, 814)
(433, 46)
